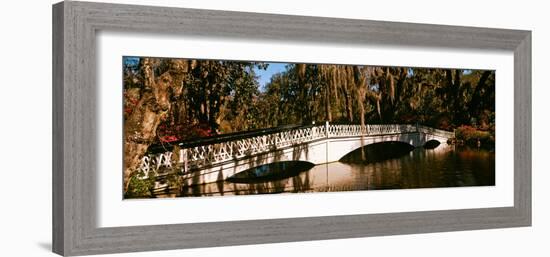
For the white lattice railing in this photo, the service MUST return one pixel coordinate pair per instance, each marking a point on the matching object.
(215, 153)
(436, 132)
(369, 130)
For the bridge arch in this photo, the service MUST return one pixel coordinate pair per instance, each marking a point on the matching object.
(377, 152)
(432, 144)
(340, 147)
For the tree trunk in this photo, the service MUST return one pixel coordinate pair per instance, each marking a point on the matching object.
(349, 110)
(362, 119)
(140, 128)
(327, 103)
(473, 106)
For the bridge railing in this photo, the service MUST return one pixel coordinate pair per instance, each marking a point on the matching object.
(370, 130)
(435, 132)
(219, 152)
(197, 156)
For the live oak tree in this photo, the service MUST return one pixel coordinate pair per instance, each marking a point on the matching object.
(151, 105)
(174, 99)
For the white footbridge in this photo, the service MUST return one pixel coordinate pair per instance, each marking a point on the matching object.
(216, 161)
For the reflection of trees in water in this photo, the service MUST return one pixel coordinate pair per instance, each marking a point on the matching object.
(420, 168)
(301, 185)
(297, 184)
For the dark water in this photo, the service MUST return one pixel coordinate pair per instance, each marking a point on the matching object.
(444, 166)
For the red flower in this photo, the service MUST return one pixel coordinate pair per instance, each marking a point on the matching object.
(168, 139)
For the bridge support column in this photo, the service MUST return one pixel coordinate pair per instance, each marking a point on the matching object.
(183, 159)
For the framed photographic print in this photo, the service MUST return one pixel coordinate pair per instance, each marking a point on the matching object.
(183, 128)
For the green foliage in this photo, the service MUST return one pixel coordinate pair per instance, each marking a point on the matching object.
(140, 188)
(471, 136)
(211, 86)
(442, 98)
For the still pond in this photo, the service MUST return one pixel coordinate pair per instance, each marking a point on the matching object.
(387, 166)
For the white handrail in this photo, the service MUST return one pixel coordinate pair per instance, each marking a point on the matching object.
(212, 154)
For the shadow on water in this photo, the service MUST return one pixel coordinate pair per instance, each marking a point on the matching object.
(378, 152)
(271, 172)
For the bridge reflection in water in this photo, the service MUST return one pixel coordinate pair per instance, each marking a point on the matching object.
(444, 166)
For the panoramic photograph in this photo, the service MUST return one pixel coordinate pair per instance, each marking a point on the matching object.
(197, 127)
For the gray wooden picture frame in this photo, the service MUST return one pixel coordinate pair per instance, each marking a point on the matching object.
(75, 25)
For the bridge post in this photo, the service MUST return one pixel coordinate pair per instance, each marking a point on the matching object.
(183, 159)
(314, 131)
(326, 129)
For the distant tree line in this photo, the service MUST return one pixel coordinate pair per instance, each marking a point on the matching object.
(442, 98)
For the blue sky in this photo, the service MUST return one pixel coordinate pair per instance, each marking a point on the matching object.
(264, 76)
